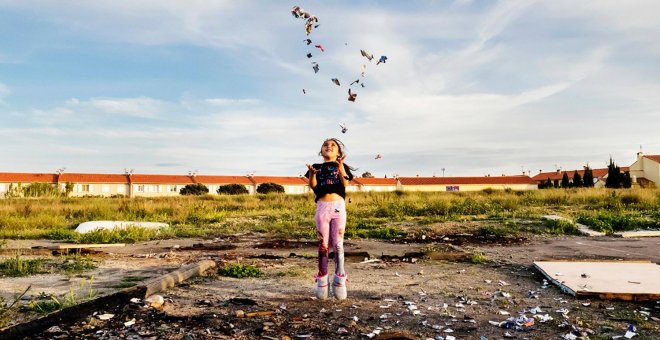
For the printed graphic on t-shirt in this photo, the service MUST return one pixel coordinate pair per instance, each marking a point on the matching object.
(328, 175)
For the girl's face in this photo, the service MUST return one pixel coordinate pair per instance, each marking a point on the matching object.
(330, 150)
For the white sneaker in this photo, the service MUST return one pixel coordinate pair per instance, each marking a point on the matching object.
(321, 290)
(339, 286)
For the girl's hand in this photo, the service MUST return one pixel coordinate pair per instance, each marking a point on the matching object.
(311, 169)
(340, 162)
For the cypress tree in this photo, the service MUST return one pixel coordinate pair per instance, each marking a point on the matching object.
(626, 180)
(588, 179)
(577, 180)
(613, 175)
(565, 183)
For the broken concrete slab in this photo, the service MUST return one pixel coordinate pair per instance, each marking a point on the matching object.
(638, 233)
(624, 280)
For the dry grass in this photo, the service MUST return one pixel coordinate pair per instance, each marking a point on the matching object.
(370, 214)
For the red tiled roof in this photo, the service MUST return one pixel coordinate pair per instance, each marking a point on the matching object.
(280, 180)
(655, 158)
(597, 173)
(222, 179)
(466, 180)
(20, 177)
(161, 179)
(93, 178)
(374, 181)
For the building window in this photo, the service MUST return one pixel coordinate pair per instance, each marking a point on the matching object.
(171, 188)
(105, 188)
(140, 188)
(121, 189)
(2, 187)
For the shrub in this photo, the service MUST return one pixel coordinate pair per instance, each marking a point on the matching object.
(194, 189)
(232, 189)
(267, 188)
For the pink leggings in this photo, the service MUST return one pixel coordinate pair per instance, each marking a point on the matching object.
(330, 227)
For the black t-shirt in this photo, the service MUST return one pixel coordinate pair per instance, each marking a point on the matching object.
(328, 179)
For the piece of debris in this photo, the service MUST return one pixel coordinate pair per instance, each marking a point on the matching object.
(625, 280)
(155, 301)
(105, 316)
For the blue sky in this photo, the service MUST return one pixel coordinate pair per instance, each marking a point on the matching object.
(472, 87)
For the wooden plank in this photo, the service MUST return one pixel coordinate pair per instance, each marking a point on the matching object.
(88, 245)
(170, 280)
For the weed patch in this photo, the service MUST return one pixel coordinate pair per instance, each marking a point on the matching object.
(239, 270)
(19, 266)
(560, 227)
(76, 264)
(478, 258)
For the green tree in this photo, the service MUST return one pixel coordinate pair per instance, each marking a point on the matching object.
(548, 183)
(232, 189)
(267, 188)
(588, 179)
(626, 180)
(367, 174)
(613, 175)
(194, 189)
(68, 189)
(565, 183)
(577, 180)
(40, 190)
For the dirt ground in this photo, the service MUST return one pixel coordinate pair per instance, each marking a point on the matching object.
(403, 296)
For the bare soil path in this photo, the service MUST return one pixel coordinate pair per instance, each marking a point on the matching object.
(403, 297)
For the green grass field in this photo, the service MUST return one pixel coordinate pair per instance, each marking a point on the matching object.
(373, 215)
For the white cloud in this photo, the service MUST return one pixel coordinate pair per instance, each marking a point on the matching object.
(230, 101)
(4, 90)
(138, 107)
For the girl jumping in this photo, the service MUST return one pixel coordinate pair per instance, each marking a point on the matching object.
(329, 181)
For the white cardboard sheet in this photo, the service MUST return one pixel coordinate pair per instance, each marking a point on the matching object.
(604, 277)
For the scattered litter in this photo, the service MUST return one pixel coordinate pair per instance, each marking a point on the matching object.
(366, 260)
(502, 283)
(543, 318)
(488, 281)
(342, 330)
(105, 316)
(536, 310)
(129, 323)
(503, 312)
(586, 304)
(630, 332)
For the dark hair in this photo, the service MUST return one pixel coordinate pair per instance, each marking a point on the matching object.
(341, 152)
